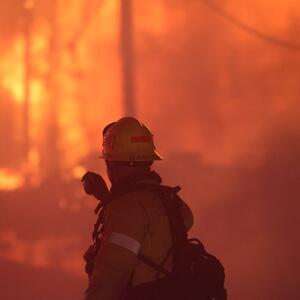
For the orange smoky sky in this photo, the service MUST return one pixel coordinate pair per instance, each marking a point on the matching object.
(223, 105)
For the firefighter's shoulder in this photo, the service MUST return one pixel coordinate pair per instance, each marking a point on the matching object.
(138, 208)
(127, 213)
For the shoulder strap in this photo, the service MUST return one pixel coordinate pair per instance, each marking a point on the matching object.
(172, 204)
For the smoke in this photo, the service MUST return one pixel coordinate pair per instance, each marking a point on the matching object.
(224, 112)
(223, 107)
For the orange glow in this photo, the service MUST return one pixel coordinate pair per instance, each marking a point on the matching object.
(75, 57)
(154, 19)
(10, 180)
(78, 172)
(29, 4)
(223, 106)
(40, 252)
(12, 70)
(77, 61)
(32, 167)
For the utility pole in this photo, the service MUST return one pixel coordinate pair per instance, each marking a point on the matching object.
(28, 18)
(127, 59)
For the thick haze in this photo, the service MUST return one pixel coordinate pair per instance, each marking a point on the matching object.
(224, 109)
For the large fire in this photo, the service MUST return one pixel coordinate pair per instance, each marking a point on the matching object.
(83, 37)
(222, 103)
(55, 61)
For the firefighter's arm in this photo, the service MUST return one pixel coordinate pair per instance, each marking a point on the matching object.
(125, 228)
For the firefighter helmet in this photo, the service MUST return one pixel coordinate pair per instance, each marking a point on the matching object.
(128, 140)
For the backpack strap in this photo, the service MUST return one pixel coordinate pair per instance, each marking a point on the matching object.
(158, 267)
(172, 203)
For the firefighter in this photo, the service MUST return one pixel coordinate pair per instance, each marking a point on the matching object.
(133, 224)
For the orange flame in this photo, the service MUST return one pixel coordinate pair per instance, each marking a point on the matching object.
(10, 180)
(64, 54)
(12, 70)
